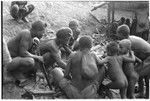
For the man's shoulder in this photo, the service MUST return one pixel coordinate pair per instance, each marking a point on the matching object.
(113, 57)
(25, 33)
(52, 45)
(75, 54)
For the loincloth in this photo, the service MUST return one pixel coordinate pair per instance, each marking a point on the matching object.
(88, 92)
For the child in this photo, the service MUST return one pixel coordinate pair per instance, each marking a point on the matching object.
(73, 25)
(128, 67)
(115, 72)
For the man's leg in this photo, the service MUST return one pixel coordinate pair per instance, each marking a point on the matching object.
(144, 71)
(14, 11)
(20, 65)
(131, 84)
(101, 75)
(17, 63)
(57, 74)
(90, 92)
(30, 8)
(141, 87)
(65, 84)
(147, 86)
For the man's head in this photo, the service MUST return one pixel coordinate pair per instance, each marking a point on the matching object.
(73, 24)
(63, 35)
(85, 42)
(122, 20)
(38, 29)
(127, 21)
(112, 48)
(125, 46)
(123, 32)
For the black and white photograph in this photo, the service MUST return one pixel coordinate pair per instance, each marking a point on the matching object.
(92, 49)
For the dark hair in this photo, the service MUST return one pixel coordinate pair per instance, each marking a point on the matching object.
(114, 27)
(64, 33)
(39, 25)
(127, 22)
(73, 23)
(122, 19)
(112, 48)
(85, 42)
(123, 31)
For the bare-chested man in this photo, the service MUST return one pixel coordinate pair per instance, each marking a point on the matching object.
(50, 50)
(115, 72)
(20, 46)
(141, 49)
(84, 83)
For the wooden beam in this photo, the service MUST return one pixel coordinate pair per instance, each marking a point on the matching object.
(113, 11)
(108, 12)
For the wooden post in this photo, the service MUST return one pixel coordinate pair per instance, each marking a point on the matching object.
(113, 11)
(108, 13)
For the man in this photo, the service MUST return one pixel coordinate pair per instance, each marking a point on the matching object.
(50, 50)
(84, 78)
(121, 21)
(19, 47)
(141, 49)
(19, 10)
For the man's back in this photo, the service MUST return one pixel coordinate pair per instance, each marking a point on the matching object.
(14, 43)
(49, 50)
(140, 47)
(138, 44)
(76, 71)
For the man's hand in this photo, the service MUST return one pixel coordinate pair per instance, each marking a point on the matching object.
(40, 59)
(66, 47)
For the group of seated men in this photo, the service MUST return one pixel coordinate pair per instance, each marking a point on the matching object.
(128, 58)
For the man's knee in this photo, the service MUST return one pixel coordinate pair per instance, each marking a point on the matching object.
(57, 74)
(27, 62)
(15, 63)
(30, 62)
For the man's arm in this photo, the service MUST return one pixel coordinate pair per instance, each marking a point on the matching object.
(130, 58)
(57, 56)
(24, 46)
(69, 51)
(138, 60)
(68, 67)
(99, 61)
